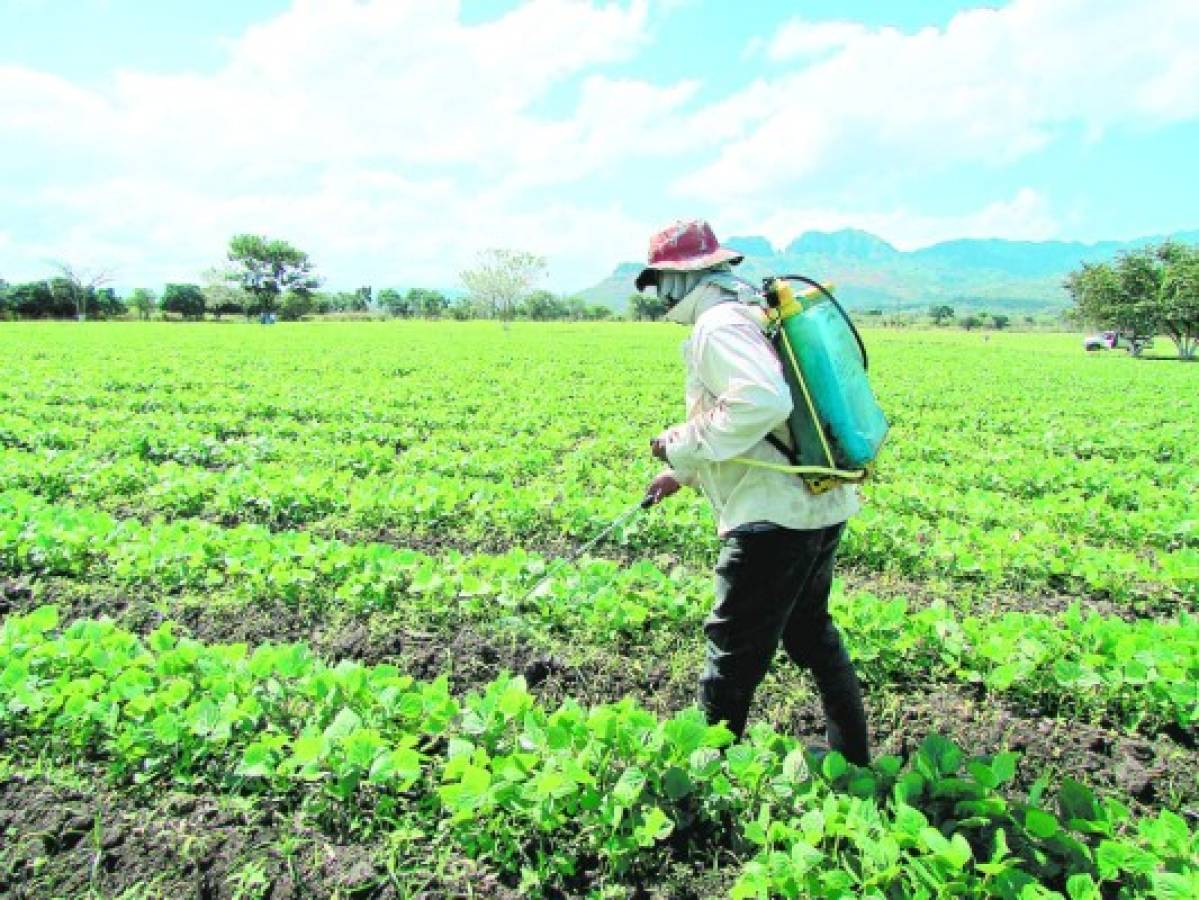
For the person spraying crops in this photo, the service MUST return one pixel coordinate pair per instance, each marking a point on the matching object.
(779, 532)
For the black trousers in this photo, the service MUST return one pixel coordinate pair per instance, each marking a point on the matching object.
(773, 586)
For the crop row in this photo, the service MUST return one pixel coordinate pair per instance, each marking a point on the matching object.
(553, 796)
(1131, 503)
(1101, 490)
(1017, 463)
(1022, 551)
(224, 432)
(1143, 673)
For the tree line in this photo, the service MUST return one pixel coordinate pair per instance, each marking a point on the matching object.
(51, 299)
(271, 279)
(943, 314)
(1144, 292)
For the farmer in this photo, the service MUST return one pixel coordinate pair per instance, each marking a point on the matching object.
(775, 568)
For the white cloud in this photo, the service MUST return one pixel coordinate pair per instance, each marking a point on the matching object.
(393, 141)
(341, 81)
(388, 134)
(989, 88)
(371, 227)
(798, 39)
(37, 104)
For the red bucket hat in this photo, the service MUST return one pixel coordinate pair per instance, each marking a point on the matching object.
(684, 247)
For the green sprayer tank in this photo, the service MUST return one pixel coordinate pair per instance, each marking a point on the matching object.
(836, 424)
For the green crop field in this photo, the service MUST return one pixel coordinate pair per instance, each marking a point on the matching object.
(267, 624)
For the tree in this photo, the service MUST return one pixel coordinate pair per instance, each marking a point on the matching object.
(296, 305)
(501, 278)
(940, 314)
(461, 309)
(646, 306)
(143, 300)
(428, 303)
(361, 299)
(222, 294)
(971, 321)
(597, 312)
(70, 299)
(78, 286)
(1146, 291)
(35, 300)
(395, 303)
(107, 303)
(267, 269)
(576, 308)
(332, 301)
(1178, 315)
(1000, 322)
(185, 299)
(544, 305)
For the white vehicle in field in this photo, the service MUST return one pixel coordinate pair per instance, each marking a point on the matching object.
(1115, 340)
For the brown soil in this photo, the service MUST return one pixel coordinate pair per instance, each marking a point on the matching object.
(16, 594)
(983, 600)
(90, 840)
(472, 660)
(62, 841)
(497, 544)
(1152, 771)
(141, 609)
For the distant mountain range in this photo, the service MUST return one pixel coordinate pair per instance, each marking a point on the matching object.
(997, 275)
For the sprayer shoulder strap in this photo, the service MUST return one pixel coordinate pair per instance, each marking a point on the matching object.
(789, 453)
(782, 448)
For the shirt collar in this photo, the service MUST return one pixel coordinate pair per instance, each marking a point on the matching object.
(704, 296)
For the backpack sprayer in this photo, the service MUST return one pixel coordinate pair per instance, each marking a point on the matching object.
(836, 425)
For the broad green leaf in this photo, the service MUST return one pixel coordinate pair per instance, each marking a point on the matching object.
(308, 749)
(675, 783)
(833, 766)
(403, 766)
(685, 734)
(1040, 823)
(1081, 886)
(628, 787)
(344, 723)
(656, 826)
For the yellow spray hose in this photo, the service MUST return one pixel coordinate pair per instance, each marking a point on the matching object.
(801, 470)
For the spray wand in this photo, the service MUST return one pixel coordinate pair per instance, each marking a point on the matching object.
(644, 503)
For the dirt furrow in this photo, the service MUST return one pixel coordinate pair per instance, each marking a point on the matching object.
(1149, 771)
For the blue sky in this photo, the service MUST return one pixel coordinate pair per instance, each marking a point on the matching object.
(394, 139)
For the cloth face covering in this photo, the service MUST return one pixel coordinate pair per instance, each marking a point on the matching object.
(674, 286)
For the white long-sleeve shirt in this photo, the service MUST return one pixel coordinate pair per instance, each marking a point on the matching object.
(736, 394)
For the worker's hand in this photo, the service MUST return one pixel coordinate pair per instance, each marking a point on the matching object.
(657, 446)
(661, 488)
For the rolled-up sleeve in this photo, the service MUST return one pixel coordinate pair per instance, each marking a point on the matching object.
(737, 366)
